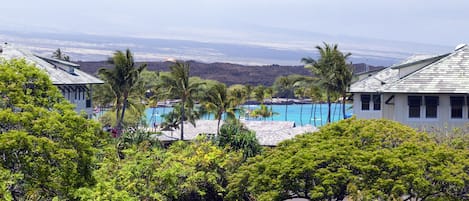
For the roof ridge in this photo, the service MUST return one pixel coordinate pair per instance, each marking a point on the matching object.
(423, 68)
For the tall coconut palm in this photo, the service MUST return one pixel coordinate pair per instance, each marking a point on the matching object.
(344, 78)
(218, 102)
(122, 79)
(178, 84)
(269, 92)
(328, 68)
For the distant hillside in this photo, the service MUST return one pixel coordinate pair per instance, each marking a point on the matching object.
(226, 72)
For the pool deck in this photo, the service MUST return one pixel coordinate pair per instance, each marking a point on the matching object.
(269, 133)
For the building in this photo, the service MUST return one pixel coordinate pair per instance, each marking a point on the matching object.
(76, 85)
(268, 133)
(425, 92)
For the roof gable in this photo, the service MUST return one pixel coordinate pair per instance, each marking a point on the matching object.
(60, 72)
(448, 75)
(392, 74)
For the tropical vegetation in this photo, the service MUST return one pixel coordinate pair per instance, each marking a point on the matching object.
(121, 81)
(49, 152)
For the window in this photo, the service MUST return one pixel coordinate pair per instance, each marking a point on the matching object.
(376, 102)
(431, 106)
(414, 103)
(365, 102)
(457, 103)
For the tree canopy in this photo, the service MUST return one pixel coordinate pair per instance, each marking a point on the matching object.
(47, 149)
(122, 81)
(358, 159)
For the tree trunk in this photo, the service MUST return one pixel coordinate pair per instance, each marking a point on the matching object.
(301, 114)
(320, 111)
(118, 112)
(333, 113)
(182, 118)
(286, 109)
(328, 107)
(218, 125)
(121, 120)
(271, 110)
(343, 105)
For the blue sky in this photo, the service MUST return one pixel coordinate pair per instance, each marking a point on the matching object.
(422, 21)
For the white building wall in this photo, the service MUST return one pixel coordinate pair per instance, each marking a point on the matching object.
(443, 120)
(397, 109)
(365, 114)
(78, 99)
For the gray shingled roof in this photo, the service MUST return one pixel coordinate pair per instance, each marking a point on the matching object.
(376, 81)
(448, 75)
(390, 75)
(60, 72)
(269, 133)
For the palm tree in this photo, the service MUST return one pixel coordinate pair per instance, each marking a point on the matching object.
(58, 54)
(218, 102)
(269, 92)
(315, 93)
(330, 68)
(287, 84)
(263, 112)
(179, 85)
(248, 90)
(259, 93)
(237, 95)
(122, 80)
(345, 75)
(300, 93)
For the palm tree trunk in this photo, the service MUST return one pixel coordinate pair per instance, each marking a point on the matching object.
(164, 110)
(121, 120)
(182, 119)
(286, 109)
(118, 112)
(311, 113)
(271, 110)
(333, 112)
(328, 108)
(301, 114)
(218, 125)
(320, 111)
(314, 112)
(343, 105)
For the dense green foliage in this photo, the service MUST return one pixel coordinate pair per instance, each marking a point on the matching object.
(185, 171)
(359, 159)
(46, 148)
(49, 152)
(234, 136)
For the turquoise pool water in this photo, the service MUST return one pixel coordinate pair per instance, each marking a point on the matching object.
(302, 114)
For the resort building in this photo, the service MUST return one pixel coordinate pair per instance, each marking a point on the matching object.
(425, 92)
(76, 85)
